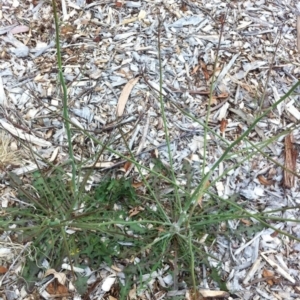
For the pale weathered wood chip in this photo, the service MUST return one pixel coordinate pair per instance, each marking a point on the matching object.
(291, 155)
(24, 136)
(278, 268)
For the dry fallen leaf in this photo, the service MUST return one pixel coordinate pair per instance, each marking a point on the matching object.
(205, 71)
(223, 125)
(213, 294)
(267, 273)
(246, 222)
(137, 184)
(57, 286)
(193, 295)
(223, 96)
(97, 39)
(136, 210)
(67, 30)
(61, 277)
(274, 234)
(264, 181)
(203, 294)
(132, 294)
(195, 70)
(199, 201)
(127, 166)
(183, 7)
(280, 270)
(3, 270)
(124, 95)
(118, 4)
(213, 100)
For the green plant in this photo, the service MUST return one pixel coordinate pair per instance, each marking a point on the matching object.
(168, 222)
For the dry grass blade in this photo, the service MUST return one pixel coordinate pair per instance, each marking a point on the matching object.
(7, 156)
(124, 95)
(3, 99)
(290, 161)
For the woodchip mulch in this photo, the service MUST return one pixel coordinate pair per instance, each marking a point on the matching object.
(110, 59)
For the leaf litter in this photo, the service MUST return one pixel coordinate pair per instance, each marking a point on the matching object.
(114, 41)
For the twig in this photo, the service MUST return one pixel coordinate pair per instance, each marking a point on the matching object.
(215, 107)
(141, 145)
(189, 91)
(14, 262)
(143, 152)
(259, 280)
(298, 32)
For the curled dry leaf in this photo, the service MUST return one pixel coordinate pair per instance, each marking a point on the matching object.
(137, 184)
(124, 95)
(54, 154)
(246, 222)
(268, 274)
(57, 286)
(127, 165)
(195, 70)
(223, 96)
(274, 234)
(136, 210)
(61, 277)
(213, 100)
(223, 125)
(264, 181)
(67, 30)
(205, 70)
(280, 270)
(199, 200)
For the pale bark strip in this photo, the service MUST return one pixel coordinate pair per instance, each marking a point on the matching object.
(290, 161)
(298, 32)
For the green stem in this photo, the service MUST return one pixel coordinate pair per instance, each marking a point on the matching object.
(65, 100)
(192, 262)
(162, 109)
(202, 187)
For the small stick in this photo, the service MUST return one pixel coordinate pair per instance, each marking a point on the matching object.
(143, 152)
